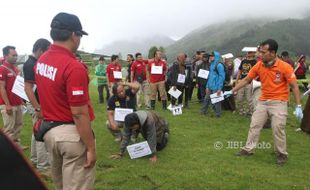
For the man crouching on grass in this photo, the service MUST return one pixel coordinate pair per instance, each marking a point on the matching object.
(153, 128)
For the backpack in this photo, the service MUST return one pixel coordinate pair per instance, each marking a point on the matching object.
(227, 76)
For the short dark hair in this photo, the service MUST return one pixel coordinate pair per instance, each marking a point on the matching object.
(131, 56)
(41, 44)
(101, 58)
(114, 57)
(138, 54)
(284, 54)
(60, 34)
(273, 45)
(131, 120)
(6, 50)
(198, 52)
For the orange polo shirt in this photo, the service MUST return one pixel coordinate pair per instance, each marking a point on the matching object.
(275, 80)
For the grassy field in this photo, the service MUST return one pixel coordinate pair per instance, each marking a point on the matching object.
(199, 155)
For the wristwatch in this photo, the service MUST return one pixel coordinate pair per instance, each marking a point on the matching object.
(37, 109)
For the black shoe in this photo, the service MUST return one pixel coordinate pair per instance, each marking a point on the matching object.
(153, 104)
(281, 159)
(243, 153)
(164, 102)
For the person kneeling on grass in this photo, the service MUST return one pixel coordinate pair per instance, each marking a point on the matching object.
(153, 128)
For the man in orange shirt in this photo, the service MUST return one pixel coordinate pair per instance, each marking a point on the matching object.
(275, 75)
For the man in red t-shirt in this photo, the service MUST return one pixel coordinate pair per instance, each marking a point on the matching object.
(138, 74)
(157, 69)
(62, 83)
(114, 72)
(10, 103)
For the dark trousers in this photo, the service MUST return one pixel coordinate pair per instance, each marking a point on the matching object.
(207, 102)
(202, 91)
(305, 84)
(164, 140)
(100, 91)
(180, 99)
(229, 103)
(191, 90)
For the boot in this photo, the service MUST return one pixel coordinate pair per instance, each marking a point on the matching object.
(153, 104)
(164, 102)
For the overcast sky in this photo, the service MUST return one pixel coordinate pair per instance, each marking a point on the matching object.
(23, 22)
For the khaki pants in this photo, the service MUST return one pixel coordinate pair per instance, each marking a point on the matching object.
(145, 89)
(39, 155)
(244, 100)
(68, 155)
(277, 110)
(162, 90)
(12, 124)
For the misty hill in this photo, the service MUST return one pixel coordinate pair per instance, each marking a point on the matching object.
(291, 34)
(141, 45)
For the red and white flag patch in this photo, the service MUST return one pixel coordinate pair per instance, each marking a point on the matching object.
(77, 91)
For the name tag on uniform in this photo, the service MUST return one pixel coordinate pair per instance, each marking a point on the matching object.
(139, 150)
(120, 113)
(117, 74)
(157, 70)
(181, 78)
(203, 74)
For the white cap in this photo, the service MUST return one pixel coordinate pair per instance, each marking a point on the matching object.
(227, 56)
(249, 49)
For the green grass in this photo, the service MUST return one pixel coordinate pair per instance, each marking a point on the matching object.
(190, 160)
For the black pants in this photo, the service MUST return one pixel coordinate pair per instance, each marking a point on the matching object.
(185, 90)
(164, 140)
(228, 103)
(191, 90)
(100, 91)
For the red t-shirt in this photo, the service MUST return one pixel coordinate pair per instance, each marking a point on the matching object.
(157, 77)
(62, 81)
(139, 68)
(9, 78)
(110, 68)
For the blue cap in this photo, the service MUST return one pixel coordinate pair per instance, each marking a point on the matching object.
(70, 22)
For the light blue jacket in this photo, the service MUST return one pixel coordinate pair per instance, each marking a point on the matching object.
(216, 80)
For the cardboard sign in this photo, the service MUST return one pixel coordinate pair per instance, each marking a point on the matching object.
(175, 93)
(215, 98)
(203, 74)
(181, 78)
(117, 74)
(19, 88)
(139, 150)
(157, 70)
(177, 110)
(120, 113)
(249, 49)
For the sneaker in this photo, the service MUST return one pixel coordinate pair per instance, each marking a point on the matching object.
(243, 153)
(281, 159)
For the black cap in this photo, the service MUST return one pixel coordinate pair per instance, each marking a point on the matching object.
(212, 54)
(67, 21)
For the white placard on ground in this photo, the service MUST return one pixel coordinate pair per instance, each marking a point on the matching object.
(215, 98)
(175, 93)
(19, 88)
(181, 78)
(203, 74)
(139, 150)
(117, 74)
(120, 113)
(177, 110)
(157, 70)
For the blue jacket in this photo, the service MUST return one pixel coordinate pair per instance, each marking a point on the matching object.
(216, 81)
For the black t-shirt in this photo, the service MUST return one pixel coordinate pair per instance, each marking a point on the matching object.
(128, 102)
(29, 74)
(245, 67)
